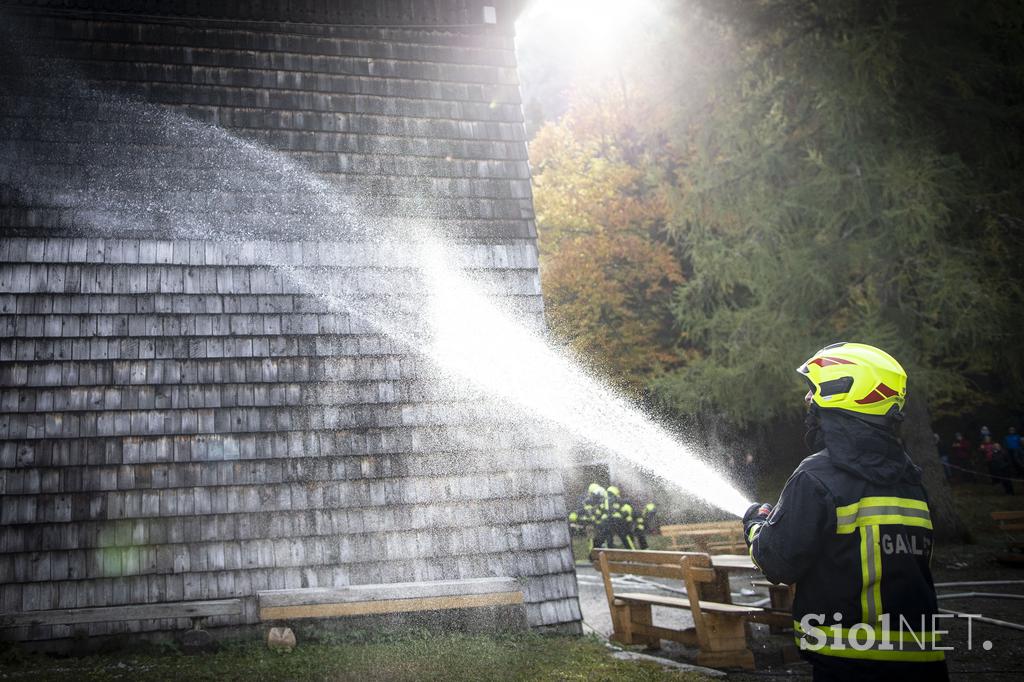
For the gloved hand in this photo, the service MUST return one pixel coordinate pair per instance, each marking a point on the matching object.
(755, 516)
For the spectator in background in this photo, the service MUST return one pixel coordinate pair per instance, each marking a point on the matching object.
(961, 456)
(943, 457)
(986, 448)
(985, 433)
(1011, 443)
(999, 468)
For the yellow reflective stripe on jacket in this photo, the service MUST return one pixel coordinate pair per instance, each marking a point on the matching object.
(878, 511)
(865, 516)
(895, 644)
(893, 636)
(871, 575)
(752, 534)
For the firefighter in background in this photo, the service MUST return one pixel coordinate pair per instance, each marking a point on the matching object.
(602, 522)
(585, 515)
(620, 513)
(852, 528)
(593, 511)
(643, 522)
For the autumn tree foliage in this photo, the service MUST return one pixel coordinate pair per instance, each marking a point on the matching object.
(601, 198)
(806, 171)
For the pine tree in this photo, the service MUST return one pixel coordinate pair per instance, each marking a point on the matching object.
(819, 205)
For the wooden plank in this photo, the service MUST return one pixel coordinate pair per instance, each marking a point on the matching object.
(385, 591)
(103, 614)
(706, 532)
(687, 637)
(775, 618)
(703, 575)
(606, 578)
(645, 556)
(1008, 515)
(1011, 527)
(677, 603)
(733, 562)
(654, 570)
(678, 529)
(390, 606)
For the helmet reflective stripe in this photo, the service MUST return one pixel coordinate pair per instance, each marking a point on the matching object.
(880, 392)
(856, 377)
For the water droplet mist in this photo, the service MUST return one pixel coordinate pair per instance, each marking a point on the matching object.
(417, 292)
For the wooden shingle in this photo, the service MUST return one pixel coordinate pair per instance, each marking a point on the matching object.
(179, 418)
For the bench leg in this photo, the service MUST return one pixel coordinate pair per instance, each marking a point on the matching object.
(726, 642)
(623, 618)
(641, 614)
(718, 589)
(781, 600)
(620, 624)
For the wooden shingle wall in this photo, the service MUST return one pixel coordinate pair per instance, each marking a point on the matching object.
(179, 420)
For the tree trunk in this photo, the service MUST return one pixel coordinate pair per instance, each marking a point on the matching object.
(920, 443)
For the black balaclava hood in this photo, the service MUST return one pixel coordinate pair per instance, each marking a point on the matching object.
(813, 437)
(865, 449)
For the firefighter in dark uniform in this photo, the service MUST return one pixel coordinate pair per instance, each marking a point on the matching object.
(594, 511)
(643, 522)
(585, 515)
(620, 517)
(852, 528)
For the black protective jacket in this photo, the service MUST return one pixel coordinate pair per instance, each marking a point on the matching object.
(853, 531)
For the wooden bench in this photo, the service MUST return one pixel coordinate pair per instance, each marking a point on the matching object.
(1011, 523)
(390, 598)
(716, 537)
(679, 531)
(779, 614)
(719, 631)
(194, 610)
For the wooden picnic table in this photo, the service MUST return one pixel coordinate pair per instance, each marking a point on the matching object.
(718, 590)
(705, 540)
(719, 629)
(733, 562)
(778, 616)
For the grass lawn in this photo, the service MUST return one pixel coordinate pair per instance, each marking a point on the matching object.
(405, 657)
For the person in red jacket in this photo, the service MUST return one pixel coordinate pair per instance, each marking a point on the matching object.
(960, 451)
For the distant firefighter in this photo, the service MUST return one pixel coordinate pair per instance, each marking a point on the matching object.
(611, 516)
(620, 512)
(643, 522)
(592, 512)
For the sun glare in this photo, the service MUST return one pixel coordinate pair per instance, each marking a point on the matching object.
(586, 30)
